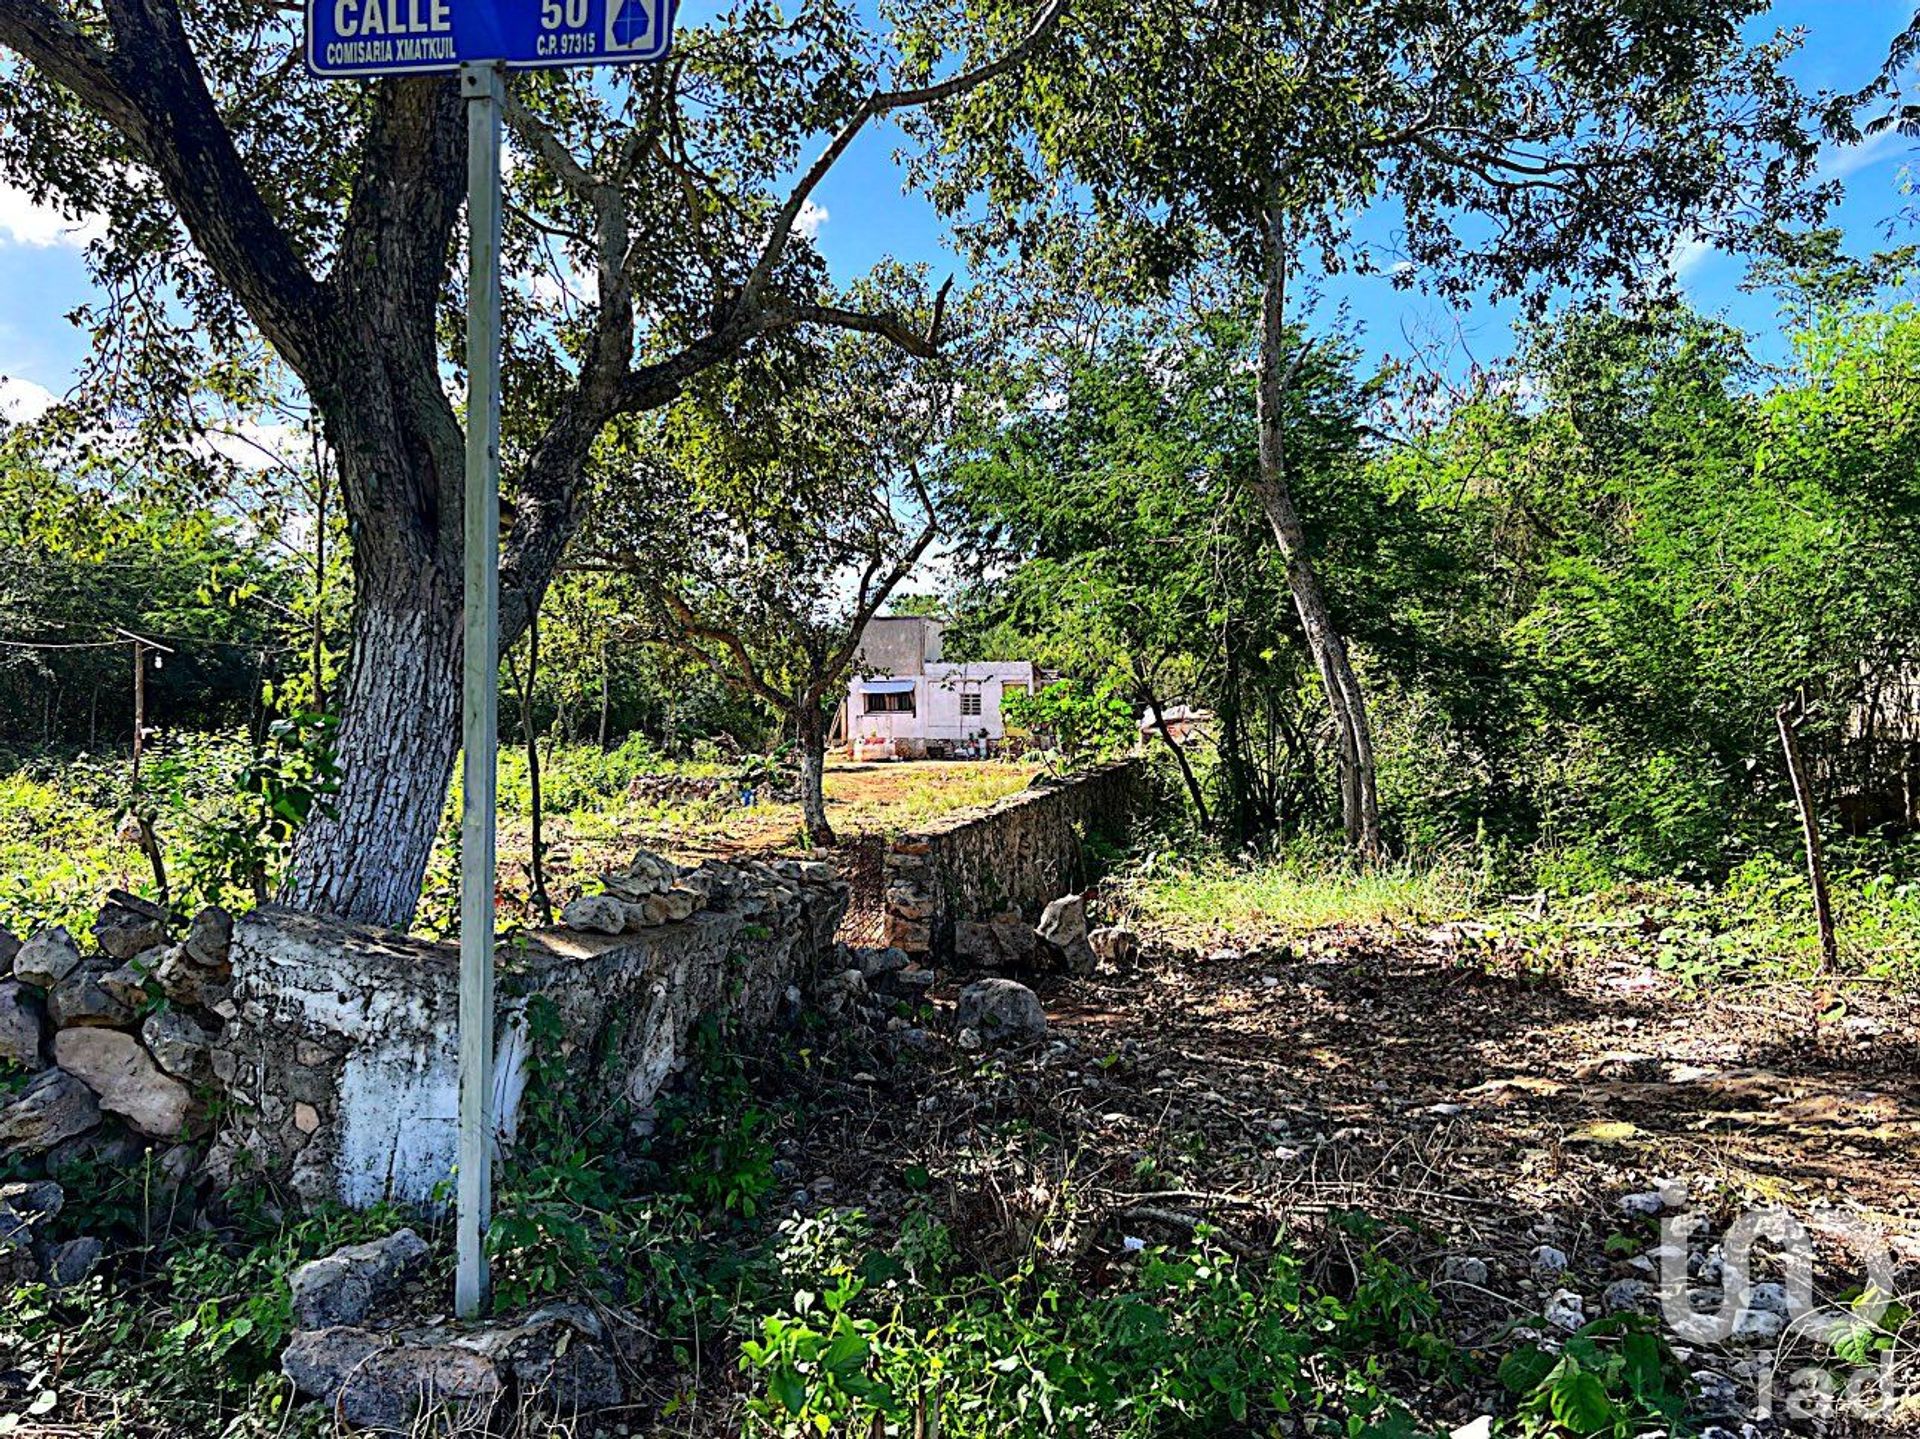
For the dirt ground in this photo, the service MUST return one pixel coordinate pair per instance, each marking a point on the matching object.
(1419, 1077)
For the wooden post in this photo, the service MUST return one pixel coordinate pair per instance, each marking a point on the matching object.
(542, 902)
(1810, 833)
(143, 822)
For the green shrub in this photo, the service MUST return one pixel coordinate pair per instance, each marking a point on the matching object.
(1186, 1343)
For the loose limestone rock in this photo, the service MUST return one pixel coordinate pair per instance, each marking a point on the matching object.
(123, 932)
(1001, 1010)
(878, 963)
(595, 914)
(125, 1079)
(1064, 923)
(1566, 1310)
(9, 947)
(210, 940)
(23, 1026)
(383, 1385)
(1625, 1296)
(651, 873)
(54, 1108)
(68, 1264)
(47, 958)
(633, 888)
(183, 981)
(128, 983)
(177, 1043)
(25, 1206)
(1119, 948)
(838, 992)
(23, 1209)
(81, 999)
(912, 984)
(558, 1359)
(344, 1287)
(1008, 942)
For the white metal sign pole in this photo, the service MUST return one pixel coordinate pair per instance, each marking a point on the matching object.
(484, 88)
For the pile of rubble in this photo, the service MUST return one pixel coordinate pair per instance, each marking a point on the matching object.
(1060, 943)
(889, 985)
(653, 891)
(678, 788)
(118, 1040)
(366, 1345)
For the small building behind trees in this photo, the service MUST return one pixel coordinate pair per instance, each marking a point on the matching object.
(904, 701)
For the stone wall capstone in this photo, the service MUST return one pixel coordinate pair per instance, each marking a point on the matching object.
(1020, 853)
(339, 1065)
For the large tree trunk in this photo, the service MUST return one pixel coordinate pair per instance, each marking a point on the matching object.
(399, 734)
(1353, 733)
(811, 737)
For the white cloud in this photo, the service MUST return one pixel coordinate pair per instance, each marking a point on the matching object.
(1689, 255)
(1839, 162)
(25, 221)
(573, 286)
(22, 401)
(255, 446)
(808, 222)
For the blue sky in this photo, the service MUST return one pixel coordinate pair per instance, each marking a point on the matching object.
(868, 217)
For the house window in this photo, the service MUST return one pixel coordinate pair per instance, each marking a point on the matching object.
(890, 704)
(970, 702)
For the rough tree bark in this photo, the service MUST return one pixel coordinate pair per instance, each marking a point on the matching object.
(810, 734)
(1353, 732)
(395, 749)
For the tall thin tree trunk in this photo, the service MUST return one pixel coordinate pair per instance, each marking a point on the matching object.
(1810, 833)
(1179, 756)
(537, 868)
(606, 695)
(1353, 733)
(810, 733)
(318, 639)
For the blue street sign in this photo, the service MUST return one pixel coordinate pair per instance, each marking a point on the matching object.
(422, 37)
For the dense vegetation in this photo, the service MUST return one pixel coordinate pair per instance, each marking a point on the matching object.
(1580, 592)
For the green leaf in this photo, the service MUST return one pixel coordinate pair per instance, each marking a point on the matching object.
(1524, 1370)
(787, 1386)
(1580, 1401)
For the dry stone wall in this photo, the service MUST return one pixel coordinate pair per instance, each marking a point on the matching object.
(340, 1065)
(1017, 855)
(114, 1030)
